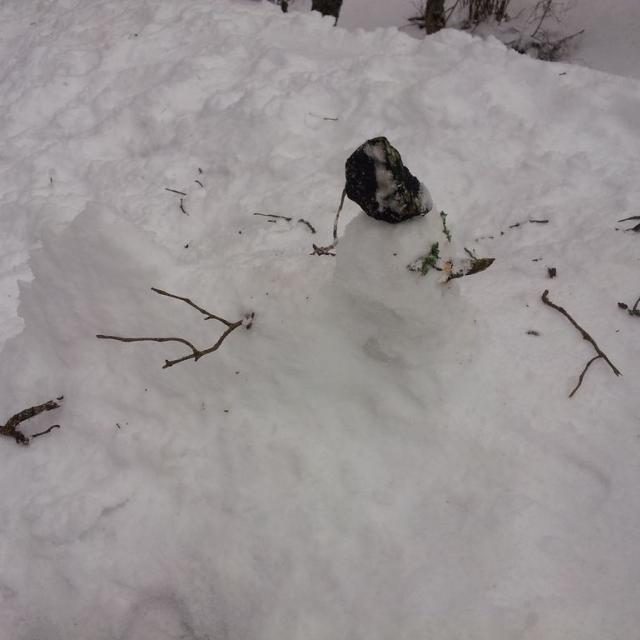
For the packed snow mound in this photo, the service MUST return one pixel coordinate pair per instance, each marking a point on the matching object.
(379, 455)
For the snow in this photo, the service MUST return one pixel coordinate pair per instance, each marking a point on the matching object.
(611, 41)
(379, 456)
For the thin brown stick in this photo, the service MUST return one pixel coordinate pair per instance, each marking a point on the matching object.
(634, 311)
(196, 353)
(199, 353)
(584, 371)
(200, 183)
(545, 6)
(11, 427)
(101, 336)
(308, 224)
(450, 12)
(207, 314)
(315, 115)
(636, 228)
(180, 193)
(326, 251)
(44, 433)
(182, 206)
(273, 215)
(585, 336)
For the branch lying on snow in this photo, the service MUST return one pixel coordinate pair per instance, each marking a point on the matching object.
(634, 311)
(515, 226)
(11, 427)
(585, 336)
(274, 218)
(273, 215)
(327, 251)
(180, 193)
(308, 224)
(636, 228)
(196, 353)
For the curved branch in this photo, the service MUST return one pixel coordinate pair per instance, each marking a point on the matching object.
(120, 339)
(11, 427)
(196, 353)
(584, 371)
(585, 336)
(326, 251)
(207, 314)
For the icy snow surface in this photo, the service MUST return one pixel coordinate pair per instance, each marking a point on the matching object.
(380, 456)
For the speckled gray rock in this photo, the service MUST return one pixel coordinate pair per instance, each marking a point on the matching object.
(384, 188)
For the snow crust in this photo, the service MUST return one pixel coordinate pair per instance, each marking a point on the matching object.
(380, 456)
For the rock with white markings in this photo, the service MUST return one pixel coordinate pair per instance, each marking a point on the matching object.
(378, 181)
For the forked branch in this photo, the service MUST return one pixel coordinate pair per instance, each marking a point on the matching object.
(196, 353)
(11, 427)
(585, 336)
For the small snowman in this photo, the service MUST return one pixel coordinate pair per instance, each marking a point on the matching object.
(397, 258)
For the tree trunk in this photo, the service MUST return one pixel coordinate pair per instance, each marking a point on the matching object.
(327, 7)
(434, 16)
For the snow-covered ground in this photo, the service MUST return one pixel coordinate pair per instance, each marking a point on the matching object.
(611, 41)
(379, 456)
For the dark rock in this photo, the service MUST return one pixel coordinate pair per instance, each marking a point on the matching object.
(384, 188)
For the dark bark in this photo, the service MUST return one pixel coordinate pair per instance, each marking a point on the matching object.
(327, 7)
(434, 16)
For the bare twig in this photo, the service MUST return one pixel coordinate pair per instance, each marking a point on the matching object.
(584, 371)
(515, 225)
(569, 37)
(204, 312)
(44, 433)
(200, 183)
(196, 353)
(327, 251)
(273, 215)
(322, 251)
(182, 206)
(11, 427)
(274, 218)
(545, 8)
(519, 224)
(634, 311)
(449, 13)
(585, 336)
(636, 228)
(306, 222)
(315, 115)
(180, 193)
